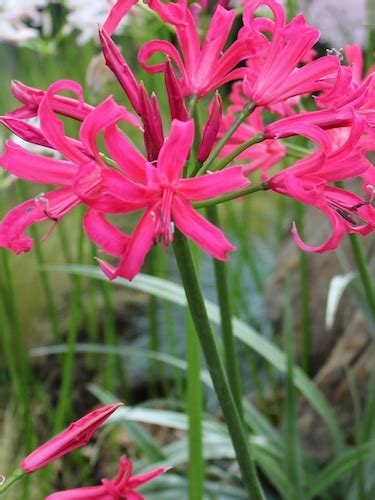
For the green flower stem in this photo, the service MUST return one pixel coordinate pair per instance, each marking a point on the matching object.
(194, 400)
(16, 475)
(208, 344)
(244, 114)
(364, 273)
(193, 163)
(194, 394)
(231, 196)
(259, 137)
(194, 403)
(231, 363)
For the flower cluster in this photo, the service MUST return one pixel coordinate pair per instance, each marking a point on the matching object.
(273, 66)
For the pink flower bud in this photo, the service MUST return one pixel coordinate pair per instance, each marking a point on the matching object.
(211, 128)
(78, 434)
(25, 130)
(153, 128)
(116, 63)
(175, 94)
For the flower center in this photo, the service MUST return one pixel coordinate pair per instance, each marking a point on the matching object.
(164, 226)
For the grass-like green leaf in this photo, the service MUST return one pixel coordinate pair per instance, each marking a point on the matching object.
(173, 292)
(338, 468)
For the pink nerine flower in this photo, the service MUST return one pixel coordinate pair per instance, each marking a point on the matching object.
(78, 434)
(121, 487)
(279, 77)
(55, 204)
(156, 187)
(205, 68)
(308, 182)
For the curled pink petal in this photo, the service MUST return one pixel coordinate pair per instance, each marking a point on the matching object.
(338, 231)
(50, 206)
(53, 129)
(106, 114)
(150, 48)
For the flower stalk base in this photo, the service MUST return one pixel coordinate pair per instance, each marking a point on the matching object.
(208, 344)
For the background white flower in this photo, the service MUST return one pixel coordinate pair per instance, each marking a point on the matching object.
(14, 14)
(85, 16)
(340, 21)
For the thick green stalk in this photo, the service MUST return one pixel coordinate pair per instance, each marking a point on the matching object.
(244, 114)
(208, 344)
(364, 273)
(259, 137)
(221, 278)
(230, 196)
(194, 396)
(194, 400)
